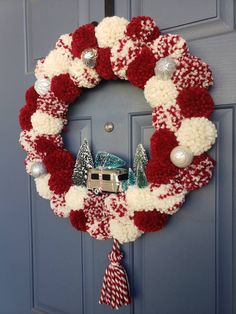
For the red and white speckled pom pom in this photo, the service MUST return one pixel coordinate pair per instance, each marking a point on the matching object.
(169, 118)
(58, 206)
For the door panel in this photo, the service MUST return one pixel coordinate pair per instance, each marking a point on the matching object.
(48, 266)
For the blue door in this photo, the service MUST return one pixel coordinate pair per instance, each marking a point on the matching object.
(48, 267)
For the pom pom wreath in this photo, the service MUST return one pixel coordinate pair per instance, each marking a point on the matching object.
(64, 88)
(82, 75)
(158, 92)
(31, 95)
(141, 69)
(195, 102)
(59, 160)
(103, 65)
(110, 30)
(198, 174)
(142, 28)
(162, 143)
(169, 45)
(54, 64)
(78, 220)
(192, 72)
(124, 230)
(83, 38)
(60, 181)
(150, 221)
(75, 197)
(45, 145)
(197, 134)
(25, 115)
(43, 123)
(42, 186)
(160, 173)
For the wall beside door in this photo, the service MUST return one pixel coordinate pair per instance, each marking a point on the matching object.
(46, 266)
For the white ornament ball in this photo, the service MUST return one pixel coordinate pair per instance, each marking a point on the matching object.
(164, 68)
(181, 156)
(89, 57)
(42, 86)
(38, 169)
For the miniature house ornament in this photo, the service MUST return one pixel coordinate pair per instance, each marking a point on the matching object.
(97, 192)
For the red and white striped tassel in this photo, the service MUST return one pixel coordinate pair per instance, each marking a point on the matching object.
(115, 288)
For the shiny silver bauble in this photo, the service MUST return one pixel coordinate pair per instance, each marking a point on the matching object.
(89, 57)
(164, 68)
(181, 156)
(38, 169)
(42, 86)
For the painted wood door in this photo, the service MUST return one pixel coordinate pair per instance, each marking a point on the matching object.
(46, 266)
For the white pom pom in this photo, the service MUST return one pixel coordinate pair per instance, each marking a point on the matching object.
(75, 197)
(158, 92)
(42, 186)
(124, 230)
(82, 75)
(110, 30)
(55, 63)
(43, 123)
(197, 134)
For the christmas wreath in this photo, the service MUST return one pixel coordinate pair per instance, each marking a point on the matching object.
(140, 199)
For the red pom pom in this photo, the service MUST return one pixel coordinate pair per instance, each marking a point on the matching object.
(198, 173)
(160, 173)
(162, 143)
(46, 145)
(60, 181)
(150, 221)
(64, 88)
(83, 38)
(31, 95)
(103, 66)
(195, 102)
(59, 160)
(142, 27)
(25, 116)
(142, 68)
(78, 219)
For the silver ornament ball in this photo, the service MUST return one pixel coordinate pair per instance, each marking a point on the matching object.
(181, 156)
(164, 68)
(89, 57)
(42, 86)
(38, 169)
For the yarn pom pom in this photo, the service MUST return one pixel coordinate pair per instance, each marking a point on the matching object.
(64, 88)
(25, 116)
(142, 28)
(198, 173)
(83, 38)
(103, 66)
(162, 143)
(160, 173)
(195, 102)
(141, 69)
(60, 181)
(150, 221)
(31, 95)
(59, 160)
(78, 220)
(46, 145)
